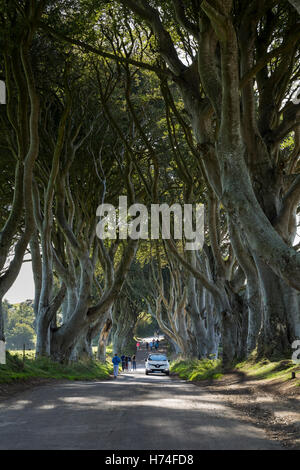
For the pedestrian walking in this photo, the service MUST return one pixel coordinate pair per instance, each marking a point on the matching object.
(129, 363)
(126, 362)
(123, 362)
(147, 345)
(116, 361)
(133, 362)
(137, 346)
(151, 345)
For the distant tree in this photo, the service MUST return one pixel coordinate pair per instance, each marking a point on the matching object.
(145, 325)
(19, 325)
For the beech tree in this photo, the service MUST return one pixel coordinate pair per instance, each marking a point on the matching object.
(20, 140)
(67, 225)
(237, 83)
(176, 101)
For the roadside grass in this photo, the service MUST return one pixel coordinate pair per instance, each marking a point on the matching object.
(268, 370)
(109, 351)
(196, 370)
(16, 370)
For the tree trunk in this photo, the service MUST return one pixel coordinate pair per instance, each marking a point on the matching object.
(292, 302)
(199, 330)
(254, 313)
(104, 335)
(213, 333)
(274, 340)
(234, 331)
(83, 350)
(42, 333)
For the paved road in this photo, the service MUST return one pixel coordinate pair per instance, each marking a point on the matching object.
(133, 412)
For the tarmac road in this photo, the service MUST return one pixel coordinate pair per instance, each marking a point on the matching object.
(132, 412)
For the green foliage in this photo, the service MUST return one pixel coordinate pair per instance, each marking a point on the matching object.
(19, 325)
(109, 351)
(45, 368)
(145, 325)
(130, 347)
(265, 369)
(195, 370)
(288, 143)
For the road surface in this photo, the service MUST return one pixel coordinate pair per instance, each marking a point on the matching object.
(132, 412)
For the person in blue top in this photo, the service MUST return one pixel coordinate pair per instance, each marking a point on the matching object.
(116, 361)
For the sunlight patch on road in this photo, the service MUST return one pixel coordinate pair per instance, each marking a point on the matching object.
(184, 402)
(84, 400)
(50, 406)
(19, 405)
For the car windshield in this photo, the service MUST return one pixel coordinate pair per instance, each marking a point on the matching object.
(157, 357)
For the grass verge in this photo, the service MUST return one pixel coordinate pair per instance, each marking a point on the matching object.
(16, 370)
(268, 370)
(195, 370)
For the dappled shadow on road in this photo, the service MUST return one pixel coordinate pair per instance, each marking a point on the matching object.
(260, 405)
(83, 427)
(132, 412)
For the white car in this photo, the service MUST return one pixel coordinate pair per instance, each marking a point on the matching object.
(157, 363)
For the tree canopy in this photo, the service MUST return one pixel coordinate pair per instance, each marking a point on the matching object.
(163, 102)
